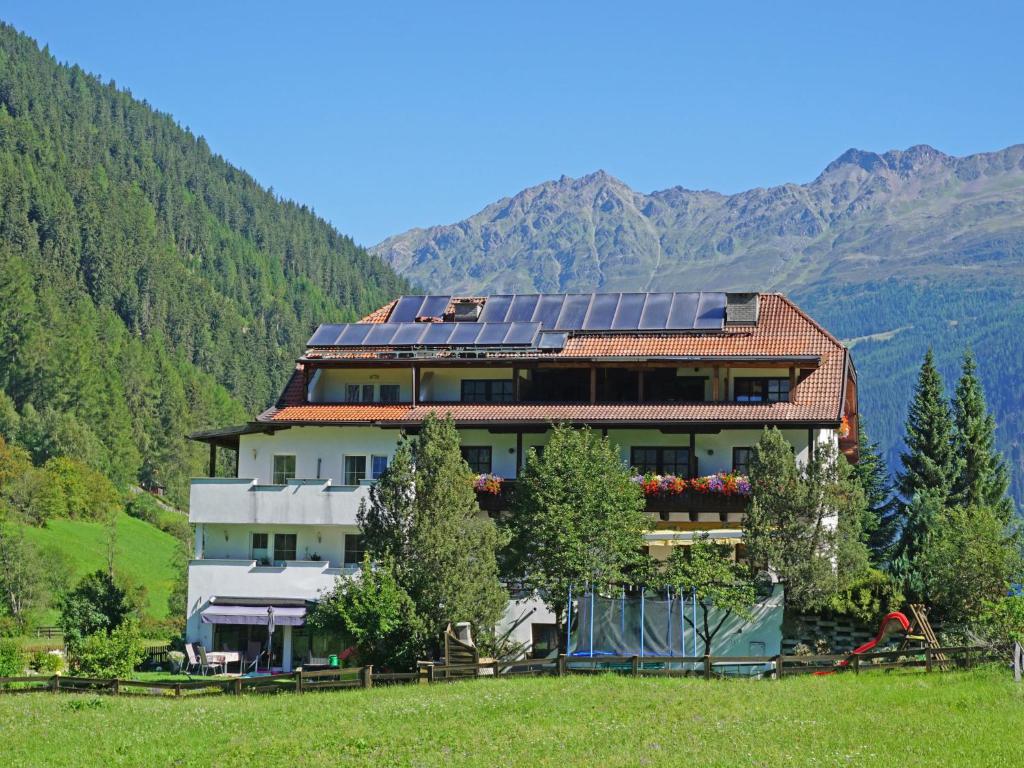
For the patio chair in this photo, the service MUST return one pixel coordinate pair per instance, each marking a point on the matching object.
(206, 664)
(192, 662)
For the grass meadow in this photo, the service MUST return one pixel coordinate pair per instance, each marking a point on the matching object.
(971, 718)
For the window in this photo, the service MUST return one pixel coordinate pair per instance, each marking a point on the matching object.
(377, 466)
(661, 461)
(284, 469)
(664, 385)
(359, 393)
(260, 547)
(478, 457)
(758, 390)
(355, 548)
(741, 460)
(389, 393)
(545, 640)
(487, 390)
(355, 469)
(284, 547)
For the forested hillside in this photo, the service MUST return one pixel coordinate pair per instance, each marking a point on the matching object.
(147, 287)
(894, 252)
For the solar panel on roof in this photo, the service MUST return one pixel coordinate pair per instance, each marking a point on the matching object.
(492, 334)
(352, 334)
(434, 306)
(324, 335)
(574, 310)
(655, 314)
(627, 317)
(602, 312)
(522, 307)
(465, 333)
(548, 308)
(683, 310)
(380, 334)
(711, 311)
(522, 333)
(406, 309)
(438, 333)
(496, 308)
(408, 334)
(552, 340)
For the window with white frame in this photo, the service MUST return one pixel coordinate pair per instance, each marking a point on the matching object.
(377, 466)
(259, 547)
(284, 547)
(284, 469)
(355, 470)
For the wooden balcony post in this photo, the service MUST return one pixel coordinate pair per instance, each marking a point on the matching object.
(415, 384)
(519, 452)
(593, 384)
(693, 455)
(515, 385)
(792, 383)
(715, 383)
(213, 460)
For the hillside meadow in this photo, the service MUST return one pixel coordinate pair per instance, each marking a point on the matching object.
(143, 555)
(907, 719)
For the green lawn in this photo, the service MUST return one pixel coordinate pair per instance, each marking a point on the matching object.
(876, 719)
(143, 553)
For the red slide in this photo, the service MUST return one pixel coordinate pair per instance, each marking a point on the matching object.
(893, 622)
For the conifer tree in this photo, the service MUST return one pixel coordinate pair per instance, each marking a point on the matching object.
(929, 463)
(878, 523)
(983, 478)
(424, 519)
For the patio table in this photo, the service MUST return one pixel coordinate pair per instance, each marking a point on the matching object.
(225, 658)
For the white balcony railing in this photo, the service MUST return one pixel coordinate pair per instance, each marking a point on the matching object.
(300, 502)
(296, 579)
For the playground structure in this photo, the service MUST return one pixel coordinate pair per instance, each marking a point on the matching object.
(917, 631)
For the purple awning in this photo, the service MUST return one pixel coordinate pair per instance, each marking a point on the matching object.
(253, 614)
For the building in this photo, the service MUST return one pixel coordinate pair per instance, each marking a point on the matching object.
(682, 382)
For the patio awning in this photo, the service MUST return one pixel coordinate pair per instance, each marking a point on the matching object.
(254, 614)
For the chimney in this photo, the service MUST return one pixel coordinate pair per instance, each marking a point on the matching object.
(741, 308)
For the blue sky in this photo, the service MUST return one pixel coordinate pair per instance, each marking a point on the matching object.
(384, 116)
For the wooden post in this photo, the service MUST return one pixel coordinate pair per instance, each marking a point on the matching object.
(928, 659)
(515, 385)
(115, 686)
(715, 384)
(415, 384)
(177, 690)
(432, 673)
(593, 384)
(213, 460)
(707, 667)
(856, 663)
(238, 686)
(778, 667)
(298, 681)
(423, 674)
(635, 664)
(562, 667)
(56, 683)
(792, 383)
(494, 667)
(692, 462)
(368, 676)
(519, 453)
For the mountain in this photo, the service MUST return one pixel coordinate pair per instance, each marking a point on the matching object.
(147, 287)
(893, 252)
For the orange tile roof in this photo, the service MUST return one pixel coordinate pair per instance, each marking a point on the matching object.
(380, 315)
(782, 330)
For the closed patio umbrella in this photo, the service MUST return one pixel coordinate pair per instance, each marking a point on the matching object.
(270, 637)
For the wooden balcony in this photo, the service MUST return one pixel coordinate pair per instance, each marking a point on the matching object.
(689, 506)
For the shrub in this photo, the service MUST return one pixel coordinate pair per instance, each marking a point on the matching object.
(1002, 621)
(143, 507)
(46, 663)
(114, 654)
(95, 604)
(12, 660)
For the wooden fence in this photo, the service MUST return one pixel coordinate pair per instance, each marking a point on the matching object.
(708, 667)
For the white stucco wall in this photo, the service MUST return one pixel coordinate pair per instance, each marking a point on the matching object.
(328, 384)
(445, 384)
